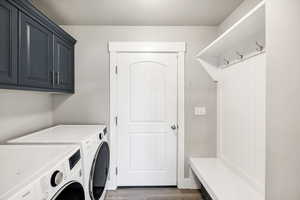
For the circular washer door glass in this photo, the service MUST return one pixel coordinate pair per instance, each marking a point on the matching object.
(71, 191)
(99, 172)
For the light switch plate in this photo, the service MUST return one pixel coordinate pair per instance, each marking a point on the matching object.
(200, 111)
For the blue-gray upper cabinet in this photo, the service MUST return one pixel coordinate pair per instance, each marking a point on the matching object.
(36, 54)
(63, 64)
(8, 43)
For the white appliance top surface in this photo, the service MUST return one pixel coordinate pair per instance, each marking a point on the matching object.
(61, 134)
(22, 164)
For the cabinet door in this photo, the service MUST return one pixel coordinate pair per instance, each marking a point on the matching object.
(63, 64)
(36, 53)
(8, 43)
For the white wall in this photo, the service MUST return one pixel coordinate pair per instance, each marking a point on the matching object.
(237, 14)
(242, 118)
(242, 134)
(22, 112)
(283, 100)
(90, 102)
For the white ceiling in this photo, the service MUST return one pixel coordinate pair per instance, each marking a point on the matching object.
(137, 12)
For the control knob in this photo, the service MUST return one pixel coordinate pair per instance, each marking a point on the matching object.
(56, 178)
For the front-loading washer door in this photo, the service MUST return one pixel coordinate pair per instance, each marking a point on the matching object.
(70, 191)
(99, 171)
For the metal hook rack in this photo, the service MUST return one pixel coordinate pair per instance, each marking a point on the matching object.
(259, 47)
(227, 62)
(259, 50)
(241, 56)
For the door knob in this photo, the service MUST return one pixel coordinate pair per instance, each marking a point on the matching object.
(174, 127)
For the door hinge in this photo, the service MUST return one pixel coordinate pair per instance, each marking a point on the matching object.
(116, 69)
(117, 171)
(116, 121)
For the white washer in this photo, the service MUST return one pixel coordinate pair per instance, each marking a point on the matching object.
(94, 147)
(31, 172)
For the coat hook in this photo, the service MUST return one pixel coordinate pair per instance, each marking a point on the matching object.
(240, 55)
(259, 47)
(226, 61)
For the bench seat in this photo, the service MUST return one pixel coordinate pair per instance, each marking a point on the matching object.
(221, 182)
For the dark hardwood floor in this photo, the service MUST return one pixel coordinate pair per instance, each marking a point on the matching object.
(153, 194)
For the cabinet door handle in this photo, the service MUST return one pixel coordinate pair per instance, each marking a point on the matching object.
(57, 78)
(51, 76)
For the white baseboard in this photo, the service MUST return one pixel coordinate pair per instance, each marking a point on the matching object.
(111, 185)
(187, 183)
(190, 183)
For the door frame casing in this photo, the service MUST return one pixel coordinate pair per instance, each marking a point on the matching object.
(146, 47)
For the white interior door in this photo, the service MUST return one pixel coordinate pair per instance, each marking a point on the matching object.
(147, 110)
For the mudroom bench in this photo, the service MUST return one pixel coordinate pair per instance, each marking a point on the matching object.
(221, 182)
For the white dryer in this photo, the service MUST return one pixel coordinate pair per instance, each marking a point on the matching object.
(94, 147)
(31, 172)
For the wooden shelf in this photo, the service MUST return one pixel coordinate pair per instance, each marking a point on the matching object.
(241, 37)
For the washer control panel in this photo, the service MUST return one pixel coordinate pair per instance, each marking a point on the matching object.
(74, 159)
(65, 171)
